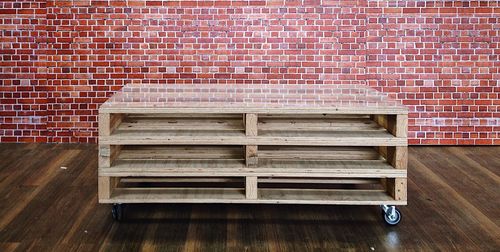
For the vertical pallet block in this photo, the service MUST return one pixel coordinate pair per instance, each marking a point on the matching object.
(397, 156)
(107, 153)
(251, 157)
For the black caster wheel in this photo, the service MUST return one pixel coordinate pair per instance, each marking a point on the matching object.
(392, 218)
(117, 212)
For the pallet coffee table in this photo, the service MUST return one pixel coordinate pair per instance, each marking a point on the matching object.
(277, 144)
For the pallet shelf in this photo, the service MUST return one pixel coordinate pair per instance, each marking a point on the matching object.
(236, 169)
(214, 137)
(341, 144)
(265, 196)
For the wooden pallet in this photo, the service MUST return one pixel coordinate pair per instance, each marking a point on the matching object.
(324, 155)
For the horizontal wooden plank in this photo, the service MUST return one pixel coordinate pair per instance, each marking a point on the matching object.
(319, 124)
(185, 115)
(206, 122)
(318, 153)
(182, 179)
(314, 116)
(188, 152)
(320, 138)
(263, 180)
(148, 152)
(265, 196)
(256, 110)
(177, 123)
(235, 168)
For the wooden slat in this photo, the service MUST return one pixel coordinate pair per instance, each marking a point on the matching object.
(332, 138)
(315, 124)
(266, 196)
(340, 138)
(182, 180)
(184, 115)
(264, 180)
(318, 153)
(314, 116)
(259, 110)
(175, 123)
(318, 180)
(186, 152)
(231, 123)
(177, 195)
(233, 168)
(321, 196)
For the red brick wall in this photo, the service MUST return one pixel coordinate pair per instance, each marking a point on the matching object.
(61, 59)
(23, 104)
(442, 58)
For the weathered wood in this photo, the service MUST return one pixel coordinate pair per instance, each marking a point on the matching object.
(104, 124)
(211, 115)
(264, 180)
(181, 152)
(397, 156)
(269, 110)
(108, 154)
(299, 144)
(397, 188)
(318, 153)
(108, 123)
(251, 125)
(397, 125)
(341, 138)
(251, 155)
(251, 187)
(401, 125)
(235, 168)
(266, 196)
(179, 123)
(106, 185)
(319, 124)
(251, 151)
(315, 116)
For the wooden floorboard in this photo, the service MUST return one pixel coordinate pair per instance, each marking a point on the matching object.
(48, 202)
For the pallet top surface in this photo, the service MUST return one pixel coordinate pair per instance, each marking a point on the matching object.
(252, 98)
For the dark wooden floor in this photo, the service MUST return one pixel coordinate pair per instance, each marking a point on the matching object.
(454, 204)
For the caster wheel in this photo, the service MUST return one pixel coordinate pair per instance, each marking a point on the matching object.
(392, 219)
(117, 212)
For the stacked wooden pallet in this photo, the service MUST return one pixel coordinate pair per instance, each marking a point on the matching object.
(157, 146)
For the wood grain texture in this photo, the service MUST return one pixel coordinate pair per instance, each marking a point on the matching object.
(215, 137)
(251, 155)
(251, 125)
(453, 195)
(251, 187)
